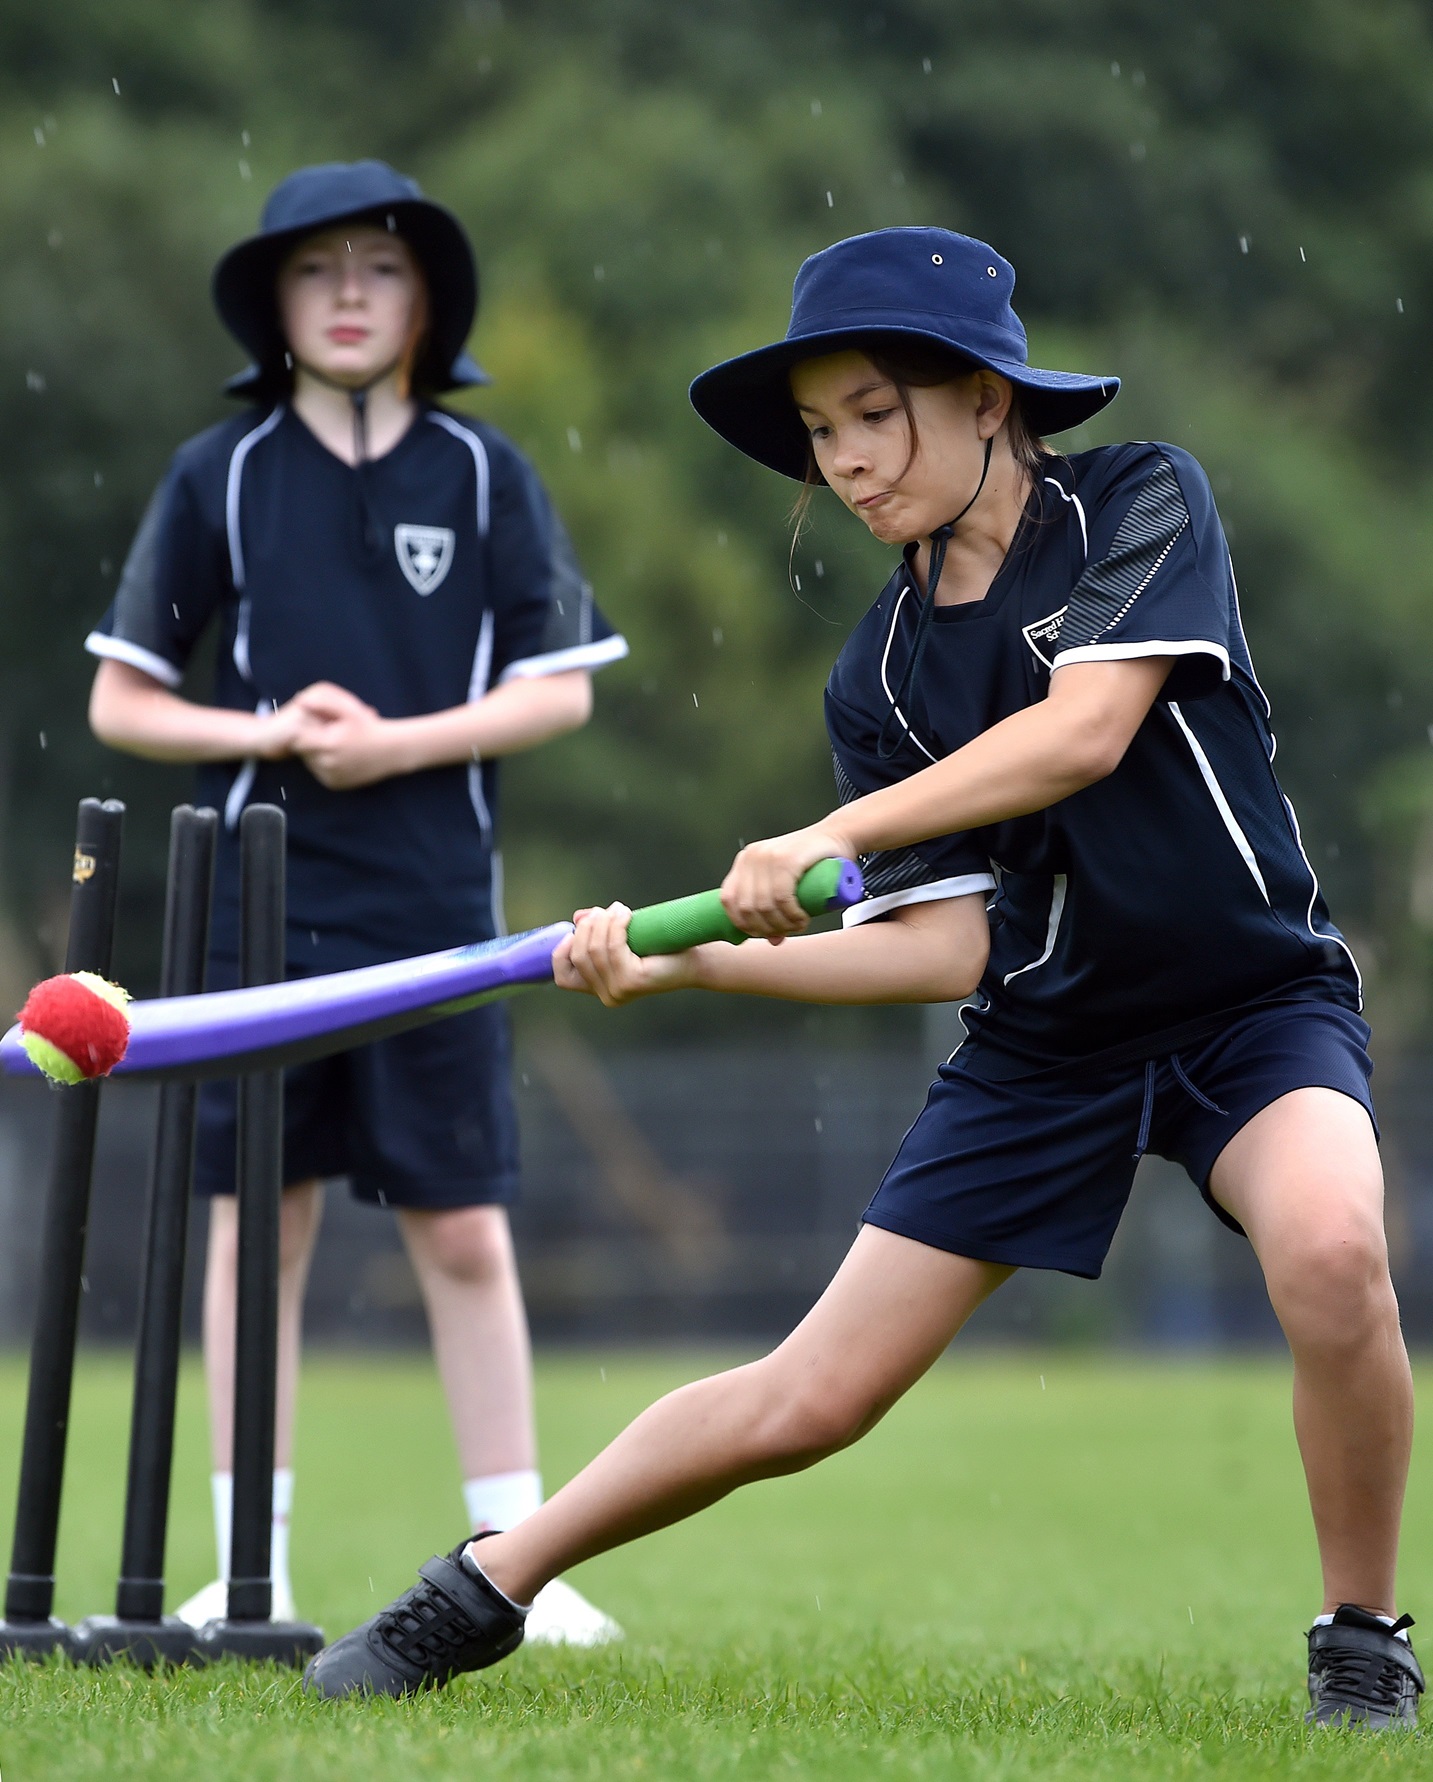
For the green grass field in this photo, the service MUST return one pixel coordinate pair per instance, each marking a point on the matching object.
(1039, 1565)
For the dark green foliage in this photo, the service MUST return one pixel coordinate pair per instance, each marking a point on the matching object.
(1231, 205)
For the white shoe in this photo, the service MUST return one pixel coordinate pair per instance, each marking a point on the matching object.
(562, 1616)
(212, 1603)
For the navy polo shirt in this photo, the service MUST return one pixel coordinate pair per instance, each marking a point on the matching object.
(418, 581)
(1139, 912)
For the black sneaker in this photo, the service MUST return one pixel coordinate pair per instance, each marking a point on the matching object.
(452, 1620)
(1361, 1673)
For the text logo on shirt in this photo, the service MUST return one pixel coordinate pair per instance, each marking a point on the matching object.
(425, 554)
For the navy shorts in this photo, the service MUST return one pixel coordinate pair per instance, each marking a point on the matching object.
(1036, 1172)
(425, 1119)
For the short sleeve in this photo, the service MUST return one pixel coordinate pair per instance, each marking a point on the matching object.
(172, 583)
(931, 871)
(545, 619)
(1157, 581)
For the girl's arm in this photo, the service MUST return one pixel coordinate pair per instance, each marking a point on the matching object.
(923, 952)
(131, 711)
(345, 743)
(1076, 735)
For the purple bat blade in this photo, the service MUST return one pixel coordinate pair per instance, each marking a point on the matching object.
(226, 1032)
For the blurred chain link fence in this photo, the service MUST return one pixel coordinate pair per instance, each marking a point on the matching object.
(708, 1195)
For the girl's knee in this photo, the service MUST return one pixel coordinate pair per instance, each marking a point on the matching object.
(1331, 1284)
(806, 1421)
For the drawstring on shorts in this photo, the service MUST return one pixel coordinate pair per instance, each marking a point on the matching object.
(1146, 1112)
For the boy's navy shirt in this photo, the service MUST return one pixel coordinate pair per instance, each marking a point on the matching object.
(1141, 911)
(417, 581)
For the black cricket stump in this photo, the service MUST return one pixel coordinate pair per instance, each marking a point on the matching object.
(248, 1631)
(139, 1630)
(29, 1627)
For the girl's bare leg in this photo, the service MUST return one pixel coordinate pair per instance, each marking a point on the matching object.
(1303, 1179)
(889, 1313)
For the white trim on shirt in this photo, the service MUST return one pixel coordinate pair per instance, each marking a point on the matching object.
(233, 489)
(480, 461)
(967, 885)
(119, 649)
(1130, 652)
(588, 655)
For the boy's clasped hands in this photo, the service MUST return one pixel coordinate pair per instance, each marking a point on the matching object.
(342, 741)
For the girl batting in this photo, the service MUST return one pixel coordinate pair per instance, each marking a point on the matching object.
(1051, 711)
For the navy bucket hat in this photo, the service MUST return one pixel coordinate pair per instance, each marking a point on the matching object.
(316, 198)
(891, 285)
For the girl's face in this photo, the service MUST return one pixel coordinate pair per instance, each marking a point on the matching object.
(862, 441)
(351, 301)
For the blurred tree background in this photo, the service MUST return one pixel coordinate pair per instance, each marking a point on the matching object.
(1230, 205)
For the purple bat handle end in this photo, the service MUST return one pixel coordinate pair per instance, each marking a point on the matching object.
(850, 886)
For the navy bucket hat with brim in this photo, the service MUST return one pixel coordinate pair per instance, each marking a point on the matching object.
(893, 285)
(318, 198)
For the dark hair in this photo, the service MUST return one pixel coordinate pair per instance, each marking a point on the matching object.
(923, 365)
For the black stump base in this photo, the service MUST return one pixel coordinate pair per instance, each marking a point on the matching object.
(281, 1642)
(100, 1639)
(34, 1639)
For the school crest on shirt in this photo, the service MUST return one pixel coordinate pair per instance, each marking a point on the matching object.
(1043, 636)
(425, 554)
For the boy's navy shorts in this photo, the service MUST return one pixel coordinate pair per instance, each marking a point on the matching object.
(425, 1119)
(1036, 1172)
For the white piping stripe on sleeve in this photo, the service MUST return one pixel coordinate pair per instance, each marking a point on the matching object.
(232, 491)
(480, 461)
(1052, 932)
(589, 655)
(1079, 507)
(496, 899)
(1239, 626)
(119, 649)
(1131, 652)
(241, 641)
(885, 658)
(482, 659)
(1313, 898)
(967, 885)
(477, 687)
(1221, 803)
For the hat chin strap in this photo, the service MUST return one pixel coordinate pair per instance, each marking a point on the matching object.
(357, 394)
(939, 539)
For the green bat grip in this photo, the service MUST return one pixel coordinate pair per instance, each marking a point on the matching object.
(691, 921)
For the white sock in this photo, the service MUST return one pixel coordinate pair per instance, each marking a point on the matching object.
(1387, 1620)
(221, 1487)
(221, 1490)
(279, 1530)
(501, 1500)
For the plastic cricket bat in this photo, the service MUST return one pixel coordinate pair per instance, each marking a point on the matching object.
(224, 1033)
